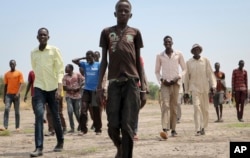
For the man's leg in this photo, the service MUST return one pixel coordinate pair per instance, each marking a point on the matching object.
(54, 109)
(60, 102)
(237, 102)
(39, 101)
(165, 108)
(50, 121)
(84, 112)
(8, 101)
(17, 112)
(70, 113)
(130, 111)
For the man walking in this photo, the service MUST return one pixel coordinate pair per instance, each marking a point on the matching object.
(240, 89)
(220, 92)
(198, 79)
(167, 73)
(47, 64)
(13, 84)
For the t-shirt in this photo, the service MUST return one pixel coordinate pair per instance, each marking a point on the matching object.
(91, 74)
(13, 80)
(31, 79)
(122, 48)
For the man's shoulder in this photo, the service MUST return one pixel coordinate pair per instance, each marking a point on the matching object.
(177, 51)
(48, 47)
(106, 29)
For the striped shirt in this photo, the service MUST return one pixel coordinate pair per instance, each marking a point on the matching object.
(239, 80)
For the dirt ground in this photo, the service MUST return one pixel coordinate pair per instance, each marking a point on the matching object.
(215, 144)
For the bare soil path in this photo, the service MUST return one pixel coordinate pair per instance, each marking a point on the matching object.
(215, 144)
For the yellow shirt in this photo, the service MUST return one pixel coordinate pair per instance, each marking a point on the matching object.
(48, 67)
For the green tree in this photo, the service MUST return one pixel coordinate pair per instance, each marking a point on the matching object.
(153, 91)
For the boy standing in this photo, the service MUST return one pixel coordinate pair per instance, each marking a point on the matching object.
(47, 64)
(123, 44)
(220, 92)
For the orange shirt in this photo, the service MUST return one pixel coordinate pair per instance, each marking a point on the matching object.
(13, 80)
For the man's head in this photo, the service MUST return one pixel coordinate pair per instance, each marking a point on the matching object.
(69, 68)
(43, 35)
(217, 66)
(90, 57)
(241, 64)
(168, 42)
(123, 11)
(12, 64)
(196, 50)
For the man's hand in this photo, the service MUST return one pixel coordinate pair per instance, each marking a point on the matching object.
(59, 91)
(25, 98)
(143, 98)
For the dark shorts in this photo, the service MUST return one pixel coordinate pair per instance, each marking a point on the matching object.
(218, 98)
(89, 97)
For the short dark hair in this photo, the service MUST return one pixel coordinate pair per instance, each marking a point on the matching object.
(71, 66)
(217, 63)
(43, 28)
(90, 52)
(167, 37)
(241, 61)
(117, 4)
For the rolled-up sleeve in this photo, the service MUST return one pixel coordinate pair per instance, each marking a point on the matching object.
(158, 68)
(59, 67)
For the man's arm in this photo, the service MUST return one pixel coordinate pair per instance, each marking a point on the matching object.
(77, 60)
(103, 67)
(4, 92)
(157, 69)
(27, 91)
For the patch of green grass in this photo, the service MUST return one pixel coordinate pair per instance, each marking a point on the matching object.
(239, 125)
(28, 130)
(90, 150)
(5, 133)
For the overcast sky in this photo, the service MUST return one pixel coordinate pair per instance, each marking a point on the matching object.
(222, 27)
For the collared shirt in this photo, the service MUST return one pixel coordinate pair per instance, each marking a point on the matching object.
(73, 81)
(239, 80)
(168, 67)
(13, 80)
(199, 76)
(48, 67)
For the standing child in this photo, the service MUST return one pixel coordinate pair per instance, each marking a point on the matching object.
(220, 92)
(123, 44)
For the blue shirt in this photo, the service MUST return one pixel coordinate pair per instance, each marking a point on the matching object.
(91, 74)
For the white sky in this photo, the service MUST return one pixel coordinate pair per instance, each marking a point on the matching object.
(222, 27)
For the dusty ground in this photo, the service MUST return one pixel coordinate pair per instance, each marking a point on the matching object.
(214, 144)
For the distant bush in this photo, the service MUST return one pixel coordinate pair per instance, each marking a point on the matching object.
(153, 91)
